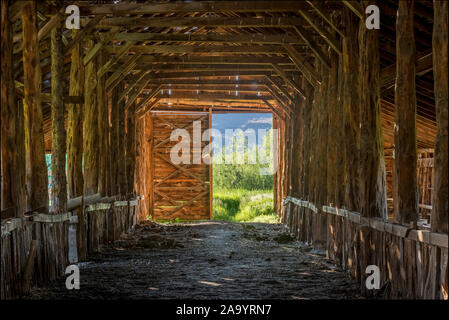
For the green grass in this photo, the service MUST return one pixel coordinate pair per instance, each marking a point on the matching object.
(240, 205)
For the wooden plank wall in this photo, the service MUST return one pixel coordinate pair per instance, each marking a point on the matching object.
(104, 222)
(412, 264)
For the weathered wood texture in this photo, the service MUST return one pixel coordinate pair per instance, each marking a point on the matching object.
(103, 131)
(91, 135)
(121, 151)
(75, 124)
(440, 62)
(130, 147)
(37, 168)
(12, 134)
(181, 190)
(351, 108)
(105, 222)
(58, 152)
(405, 161)
(410, 266)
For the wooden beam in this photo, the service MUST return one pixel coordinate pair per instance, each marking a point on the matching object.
(228, 59)
(130, 147)
(90, 147)
(319, 8)
(150, 49)
(224, 22)
(275, 111)
(439, 216)
(313, 45)
(200, 6)
(51, 23)
(303, 66)
(58, 136)
(103, 134)
(12, 149)
(210, 38)
(287, 79)
(111, 62)
(99, 45)
(277, 84)
(351, 109)
(333, 41)
(83, 33)
(121, 178)
(38, 176)
(355, 7)
(121, 71)
(373, 198)
(405, 161)
(132, 83)
(114, 140)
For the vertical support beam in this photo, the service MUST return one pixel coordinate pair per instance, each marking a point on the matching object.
(121, 169)
(405, 162)
(58, 135)
(38, 175)
(12, 188)
(103, 119)
(373, 202)
(296, 133)
(75, 124)
(439, 217)
(90, 147)
(130, 147)
(114, 141)
(351, 108)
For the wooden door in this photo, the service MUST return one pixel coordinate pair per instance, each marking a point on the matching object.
(182, 190)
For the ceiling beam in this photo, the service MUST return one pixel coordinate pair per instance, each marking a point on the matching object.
(195, 6)
(210, 38)
(304, 67)
(287, 79)
(313, 46)
(319, 8)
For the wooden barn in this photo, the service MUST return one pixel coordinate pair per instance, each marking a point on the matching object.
(358, 91)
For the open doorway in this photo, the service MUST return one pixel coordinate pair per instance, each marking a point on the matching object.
(243, 167)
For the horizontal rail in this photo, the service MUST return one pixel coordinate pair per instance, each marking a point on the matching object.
(424, 236)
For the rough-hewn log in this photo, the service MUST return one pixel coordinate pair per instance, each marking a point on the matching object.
(103, 127)
(351, 108)
(38, 176)
(405, 161)
(58, 136)
(373, 202)
(297, 137)
(114, 143)
(90, 141)
(75, 125)
(121, 150)
(439, 217)
(12, 149)
(372, 165)
(130, 146)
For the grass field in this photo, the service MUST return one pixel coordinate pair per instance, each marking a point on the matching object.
(239, 205)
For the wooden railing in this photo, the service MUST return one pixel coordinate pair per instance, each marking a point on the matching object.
(413, 262)
(37, 248)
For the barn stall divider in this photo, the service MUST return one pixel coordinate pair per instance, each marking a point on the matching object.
(37, 248)
(413, 262)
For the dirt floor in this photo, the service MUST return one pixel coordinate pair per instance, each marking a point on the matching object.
(206, 260)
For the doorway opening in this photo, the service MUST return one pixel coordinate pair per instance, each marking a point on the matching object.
(243, 167)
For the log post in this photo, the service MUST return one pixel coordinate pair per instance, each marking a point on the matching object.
(103, 119)
(114, 141)
(37, 166)
(405, 161)
(58, 135)
(12, 141)
(130, 147)
(351, 108)
(121, 150)
(439, 217)
(75, 124)
(296, 134)
(90, 141)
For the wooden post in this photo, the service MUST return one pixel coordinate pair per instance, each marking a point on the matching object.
(90, 147)
(405, 162)
(121, 163)
(114, 141)
(12, 149)
(75, 124)
(58, 136)
(130, 147)
(103, 120)
(351, 108)
(439, 217)
(296, 127)
(373, 201)
(38, 175)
